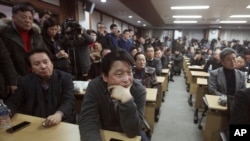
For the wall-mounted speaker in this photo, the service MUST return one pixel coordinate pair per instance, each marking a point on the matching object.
(88, 6)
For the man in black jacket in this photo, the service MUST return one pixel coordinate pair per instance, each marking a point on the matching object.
(8, 75)
(46, 92)
(102, 36)
(20, 36)
(113, 101)
(152, 61)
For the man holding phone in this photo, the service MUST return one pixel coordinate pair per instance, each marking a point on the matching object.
(113, 101)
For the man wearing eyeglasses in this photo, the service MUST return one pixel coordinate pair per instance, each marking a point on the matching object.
(20, 36)
(102, 36)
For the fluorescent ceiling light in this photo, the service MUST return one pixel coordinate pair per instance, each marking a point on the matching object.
(248, 6)
(190, 7)
(103, 0)
(187, 16)
(130, 17)
(185, 21)
(233, 21)
(144, 25)
(138, 21)
(240, 16)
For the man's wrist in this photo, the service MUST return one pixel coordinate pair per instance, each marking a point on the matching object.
(125, 98)
(60, 113)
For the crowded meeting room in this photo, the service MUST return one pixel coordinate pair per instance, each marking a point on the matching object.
(122, 70)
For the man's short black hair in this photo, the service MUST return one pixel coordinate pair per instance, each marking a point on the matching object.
(91, 31)
(124, 31)
(112, 26)
(115, 55)
(23, 7)
(148, 46)
(138, 53)
(39, 50)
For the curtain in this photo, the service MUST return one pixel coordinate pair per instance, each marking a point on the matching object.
(230, 34)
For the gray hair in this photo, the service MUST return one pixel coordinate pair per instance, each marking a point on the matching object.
(225, 52)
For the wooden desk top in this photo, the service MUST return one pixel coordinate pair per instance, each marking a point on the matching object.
(35, 131)
(195, 67)
(160, 79)
(212, 101)
(165, 71)
(61, 132)
(151, 94)
(199, 73)
(201, 81)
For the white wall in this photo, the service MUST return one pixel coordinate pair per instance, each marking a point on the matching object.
(107, 20)
(83, 16)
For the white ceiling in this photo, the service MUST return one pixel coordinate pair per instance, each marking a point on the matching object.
(162, 14)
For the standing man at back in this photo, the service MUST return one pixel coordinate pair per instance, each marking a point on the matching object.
(112, 35)
(124, 42)
(19, 36)
(101, 36)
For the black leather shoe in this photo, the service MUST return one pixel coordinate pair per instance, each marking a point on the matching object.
(172, 80)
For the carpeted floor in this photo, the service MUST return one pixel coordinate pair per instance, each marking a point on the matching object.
(176, 119)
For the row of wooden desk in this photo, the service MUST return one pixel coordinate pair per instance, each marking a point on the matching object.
(216, 116)
(61, 132)
(197, 81)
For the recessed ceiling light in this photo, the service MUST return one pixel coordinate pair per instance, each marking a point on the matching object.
(248, 6)
(233, 21)
(190, 7)
(138, 21)
(144, 25)
(185, 21)
(187, 16)
(103, 0)
(130, 17)
(240, 16)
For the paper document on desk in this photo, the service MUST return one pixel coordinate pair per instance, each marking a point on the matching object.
(80, 86)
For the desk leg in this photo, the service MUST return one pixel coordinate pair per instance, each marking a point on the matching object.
(158, 103)
(198, 102)
(215, 122)
(196, 117)
(149, 115)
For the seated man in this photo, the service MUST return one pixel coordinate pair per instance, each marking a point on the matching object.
(226, 80)
(113, 101)
(45, 92)
(152, 61)
(197, 59)
(214, 60)
(146, 75)
(241, 63)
